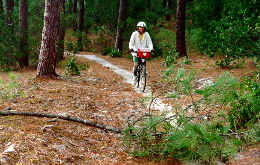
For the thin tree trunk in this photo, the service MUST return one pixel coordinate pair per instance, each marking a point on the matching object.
(62, 29)
(164, 4)
(170, 3)
(167, 6)
(180, 28)
(9, 5)
(81, 24)
(120, 24)
(70, 6)
(23, 13)
(75, 6)
(47, 57)
(149, 4)
(1, 7)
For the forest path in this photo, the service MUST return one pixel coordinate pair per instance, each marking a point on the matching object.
(157, 104)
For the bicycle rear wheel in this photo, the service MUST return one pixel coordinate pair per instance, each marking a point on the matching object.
(138, 75)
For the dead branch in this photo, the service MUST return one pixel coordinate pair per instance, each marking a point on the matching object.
(63, 117)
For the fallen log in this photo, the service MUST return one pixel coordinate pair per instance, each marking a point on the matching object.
(63, 117)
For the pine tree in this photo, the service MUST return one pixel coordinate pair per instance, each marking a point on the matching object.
(23, 45)
(180, 28)
(120, 24)
(47, 57)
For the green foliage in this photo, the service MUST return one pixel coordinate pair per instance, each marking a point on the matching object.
(257, 132)
(106, 50)
(192, 135)
(102, 12)
(166, 40)
(223, 90)
(115, 53)
(71, 67)
(226, 28)
(11, 88)
(9, 35)
(71, 47)
(247, 107)
(242, 98)
(156, 136)
(8, 45)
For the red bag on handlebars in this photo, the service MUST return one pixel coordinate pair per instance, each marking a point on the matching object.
(144, 53)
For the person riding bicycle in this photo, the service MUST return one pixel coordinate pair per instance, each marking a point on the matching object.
(140, 39)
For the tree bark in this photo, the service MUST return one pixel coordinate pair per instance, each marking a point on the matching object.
(166, 6)
(75, 6)
(47, 57)
(81, 24)
(63, 117)
(9, 6)
(149, 4)
(1, 7)
(121, 23)
(180, 28)
(61, 35)
(70, 6)
(23, 45)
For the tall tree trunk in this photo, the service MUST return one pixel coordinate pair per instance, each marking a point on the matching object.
(75, 6)
(47, 57)
(1, 7)
(166, 6)
(81, 24)
(70, 6)
(9, 6)
(149, 4)
(23, 45)
(121, 23)
(180, 28)
(61, 34)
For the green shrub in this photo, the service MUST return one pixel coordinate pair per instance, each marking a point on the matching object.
(115, 53)
(157, 137)
(198, 134)
(71, 47)
(242, 98)
(246, 108)
(165, 39)
(227, 28)
(71, 67)
(106, 50)
(11, 88)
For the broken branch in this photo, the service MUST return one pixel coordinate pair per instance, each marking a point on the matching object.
(63, 117)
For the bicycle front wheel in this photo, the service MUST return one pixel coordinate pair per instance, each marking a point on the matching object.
(143, 77)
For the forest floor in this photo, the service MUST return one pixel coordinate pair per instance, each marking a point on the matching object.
(98, 95)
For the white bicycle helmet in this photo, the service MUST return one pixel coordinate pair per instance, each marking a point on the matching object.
(141, 24)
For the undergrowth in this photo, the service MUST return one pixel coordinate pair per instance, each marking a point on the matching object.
(222, 117)
(11, 88)
(72, 68)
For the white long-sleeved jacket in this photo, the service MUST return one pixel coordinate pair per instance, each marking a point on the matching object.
(135, 42)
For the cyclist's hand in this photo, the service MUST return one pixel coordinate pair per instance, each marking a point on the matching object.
(134, 54)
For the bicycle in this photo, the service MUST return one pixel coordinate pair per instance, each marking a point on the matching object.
(141, 76)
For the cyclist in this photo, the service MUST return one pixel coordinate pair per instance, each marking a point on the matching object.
(140, 39)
